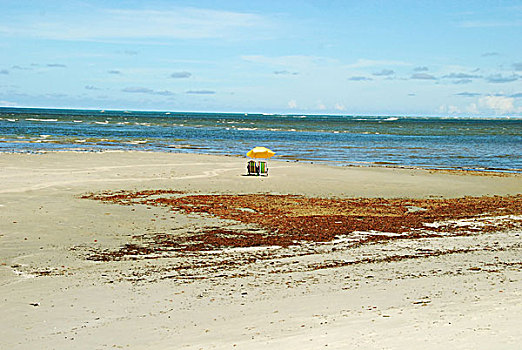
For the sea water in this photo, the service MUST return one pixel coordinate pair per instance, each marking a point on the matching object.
(428, 142)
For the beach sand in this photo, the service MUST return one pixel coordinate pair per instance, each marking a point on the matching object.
(454, 291)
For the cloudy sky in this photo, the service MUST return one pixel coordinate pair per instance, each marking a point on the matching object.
(328, 57)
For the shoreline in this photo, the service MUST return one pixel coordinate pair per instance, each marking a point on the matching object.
(291, 160)
(446, 290)
(122, 170)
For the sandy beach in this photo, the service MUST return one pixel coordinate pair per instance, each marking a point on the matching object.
(67, 282)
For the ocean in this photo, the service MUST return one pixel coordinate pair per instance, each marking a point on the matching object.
(493, 144)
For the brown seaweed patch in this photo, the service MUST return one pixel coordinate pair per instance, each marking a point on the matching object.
(285, 220)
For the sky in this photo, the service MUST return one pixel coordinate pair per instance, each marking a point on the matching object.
(434, 58)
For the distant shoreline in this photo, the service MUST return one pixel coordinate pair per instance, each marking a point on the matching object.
(491, 171)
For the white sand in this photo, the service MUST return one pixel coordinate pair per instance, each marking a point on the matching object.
(469, 299)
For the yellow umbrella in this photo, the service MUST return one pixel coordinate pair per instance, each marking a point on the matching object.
(260, 152)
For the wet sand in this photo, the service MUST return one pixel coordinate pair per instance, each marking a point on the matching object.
(457, 289)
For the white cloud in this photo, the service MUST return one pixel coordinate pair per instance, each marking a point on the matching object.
(111, 24)
(339, 107)
(8, 104)
(499, 104)
(449, 109)
(453, 110)
(486, 105)
(321, 106)
(472, 109)
(292, 104)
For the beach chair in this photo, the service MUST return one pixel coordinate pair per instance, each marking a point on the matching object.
(263, 168)
(252, 168)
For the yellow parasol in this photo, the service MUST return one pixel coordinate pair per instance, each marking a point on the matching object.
(260, 152)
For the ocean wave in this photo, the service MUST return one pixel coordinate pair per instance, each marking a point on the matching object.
(349, 140)
(246, 129)
(41, 120)
(43, 141)
(187, 147)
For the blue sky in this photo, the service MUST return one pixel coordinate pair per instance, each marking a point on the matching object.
(328, 57)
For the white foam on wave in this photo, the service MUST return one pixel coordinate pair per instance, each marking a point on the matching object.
(246, 129)
(41, 120)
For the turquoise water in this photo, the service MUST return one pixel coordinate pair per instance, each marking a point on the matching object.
(430, 142)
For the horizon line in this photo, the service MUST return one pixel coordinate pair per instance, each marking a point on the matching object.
(273, 113)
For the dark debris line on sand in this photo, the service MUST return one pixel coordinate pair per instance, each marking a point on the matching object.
(286, 220)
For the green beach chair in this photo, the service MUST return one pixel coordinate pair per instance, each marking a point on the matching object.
(252, 168)
(263, 168)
